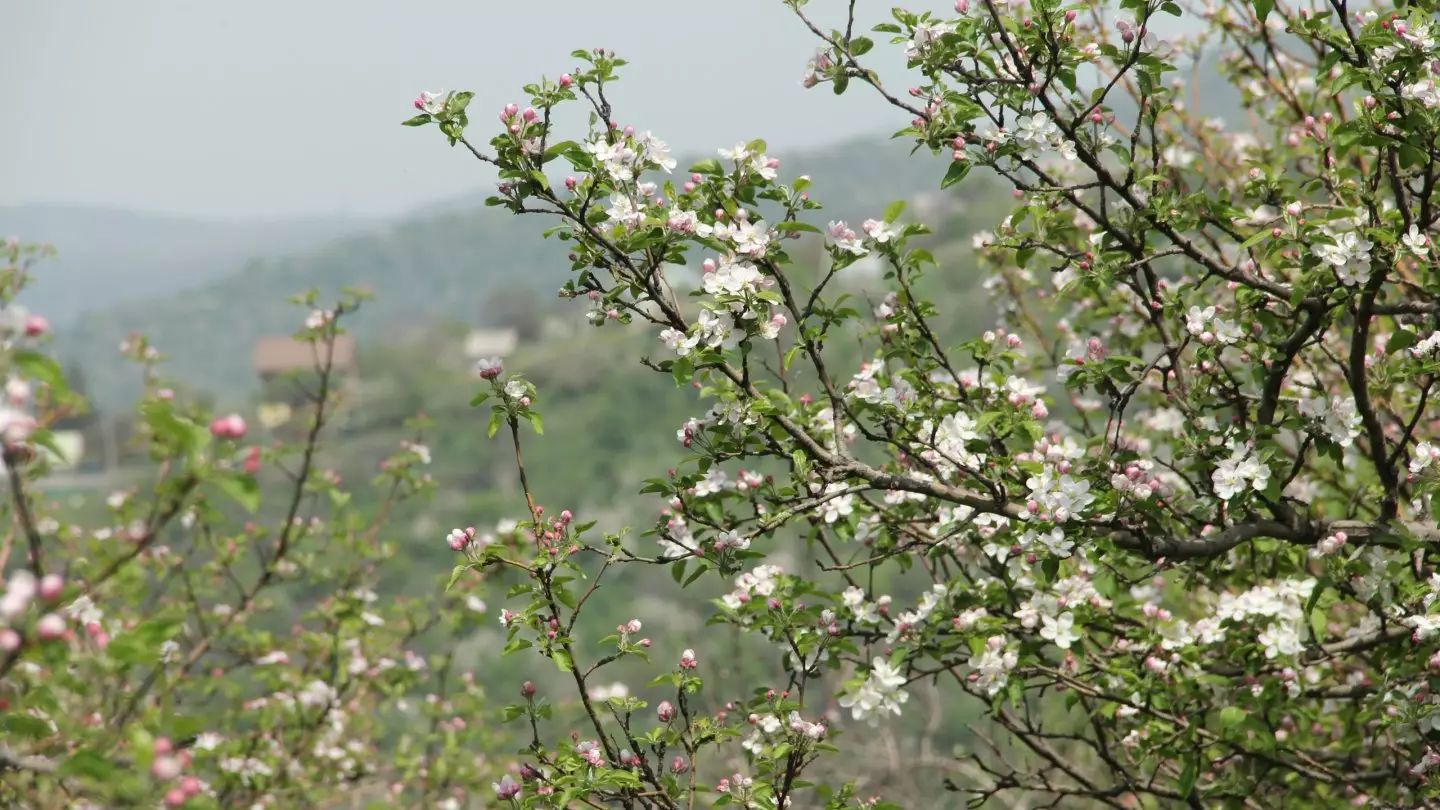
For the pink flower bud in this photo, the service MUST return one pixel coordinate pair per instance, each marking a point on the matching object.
(51, 586)
(50, 627)
(36, 325)
(9, 640)
(571, 183)
(228, 427)
(511, 110)
(688, 660)
(527, 690)
(666, 711)
(175, 797)
(565, 80)
(165, 768)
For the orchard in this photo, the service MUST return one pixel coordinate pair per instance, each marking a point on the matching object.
(1163, 529)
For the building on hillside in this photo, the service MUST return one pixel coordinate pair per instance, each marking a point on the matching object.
(275, 358)
(481, 343)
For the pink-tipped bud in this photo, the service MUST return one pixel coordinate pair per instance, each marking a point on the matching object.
(511, 110)
(51, 586)
(50, 627)
(175, 797)
(165, 768)
(9, 640)
(530, 114)
(36, 325)
(565, 80)
(527, 690)
(666, 711)
(571, 183)
(228, 427)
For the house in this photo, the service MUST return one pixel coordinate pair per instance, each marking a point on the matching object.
(491, 343)
(276, 356)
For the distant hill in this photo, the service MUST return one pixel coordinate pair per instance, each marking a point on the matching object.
(438, 266)
(108, 257)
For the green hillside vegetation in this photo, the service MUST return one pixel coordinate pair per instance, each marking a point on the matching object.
(109, 257)
(433, 268)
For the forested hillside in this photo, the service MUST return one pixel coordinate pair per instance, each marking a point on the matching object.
(434, 267)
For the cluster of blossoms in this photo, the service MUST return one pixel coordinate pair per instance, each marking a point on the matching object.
(1185, 476)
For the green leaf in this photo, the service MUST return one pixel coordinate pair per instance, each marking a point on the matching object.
(536, 422)
(682, 370)
(1254, 240)
(841, 82)
(497, 418)
(1051, 568)
(1232, 717)
(556, 149)
(418, 121)
(957, 171)
(455, 575)
(24, 725)
(1401, 339)
(241, 489)
(1187, 777)
(40, 368)
(894, 210)
(708, 166)
(562, 660)
(90, 765)
(860, 46)
(796, 227)
(479, 398)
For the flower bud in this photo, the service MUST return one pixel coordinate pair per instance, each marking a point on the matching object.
(527, 690)
(50, 627)
(51, 586)
(565, 80)
(165, 768)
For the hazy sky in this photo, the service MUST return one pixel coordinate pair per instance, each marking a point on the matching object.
(269, 108)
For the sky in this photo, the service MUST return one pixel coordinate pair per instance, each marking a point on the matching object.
(274, 108)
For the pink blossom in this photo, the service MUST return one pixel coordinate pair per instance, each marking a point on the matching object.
(51, 586)
(50, 627)
(228, 427)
